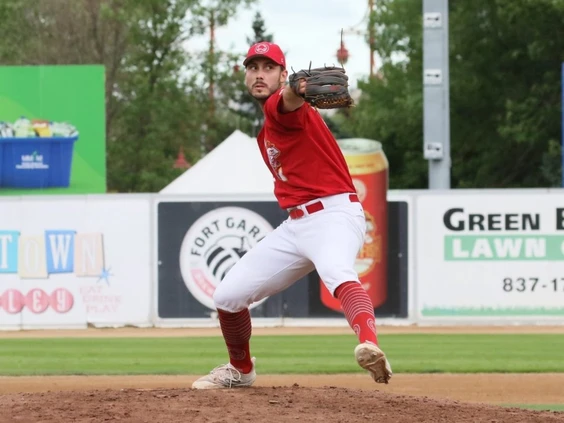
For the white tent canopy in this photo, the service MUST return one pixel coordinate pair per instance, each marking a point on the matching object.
(233, 167)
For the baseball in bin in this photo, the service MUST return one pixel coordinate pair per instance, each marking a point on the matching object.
(37, 155)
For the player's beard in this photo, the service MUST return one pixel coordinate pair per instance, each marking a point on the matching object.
(264, 93)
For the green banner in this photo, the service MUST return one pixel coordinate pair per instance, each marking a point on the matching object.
(52, 130)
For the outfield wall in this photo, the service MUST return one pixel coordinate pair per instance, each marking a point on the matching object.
(453, 257)
(76, 260)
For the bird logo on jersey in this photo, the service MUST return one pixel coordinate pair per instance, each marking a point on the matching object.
(273, 154)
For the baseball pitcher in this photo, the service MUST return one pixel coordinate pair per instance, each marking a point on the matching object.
(326, 223)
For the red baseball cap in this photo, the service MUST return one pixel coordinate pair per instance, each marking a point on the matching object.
(265, 49)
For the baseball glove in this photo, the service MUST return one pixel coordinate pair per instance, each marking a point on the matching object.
(325, 88)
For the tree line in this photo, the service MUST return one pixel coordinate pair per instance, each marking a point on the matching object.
(505, 87)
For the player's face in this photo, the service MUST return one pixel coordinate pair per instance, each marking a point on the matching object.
(263, 77)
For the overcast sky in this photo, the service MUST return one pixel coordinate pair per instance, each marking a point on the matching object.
(306, 30)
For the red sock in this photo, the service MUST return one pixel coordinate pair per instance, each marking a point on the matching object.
(358, 310)
(236, 329)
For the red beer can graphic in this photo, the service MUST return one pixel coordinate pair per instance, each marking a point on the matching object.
(368, 167)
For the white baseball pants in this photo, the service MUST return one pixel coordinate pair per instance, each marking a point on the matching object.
(328, 240)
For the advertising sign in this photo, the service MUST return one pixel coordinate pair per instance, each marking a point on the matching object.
(393, 283)
(490, 255)
(198, 242)
(368, 167)
(52, 130)
(74, 262)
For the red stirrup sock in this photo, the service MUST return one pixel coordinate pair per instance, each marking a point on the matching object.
(236, 329)
(358, 310)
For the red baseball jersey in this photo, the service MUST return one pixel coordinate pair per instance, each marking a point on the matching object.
(302, 154)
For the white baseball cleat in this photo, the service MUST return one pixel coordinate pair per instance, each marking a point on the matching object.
(226, 376)
(373, 359)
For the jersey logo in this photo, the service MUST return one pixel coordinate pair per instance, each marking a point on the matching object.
(273, 153)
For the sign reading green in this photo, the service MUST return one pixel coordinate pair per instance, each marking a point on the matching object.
(497, 253)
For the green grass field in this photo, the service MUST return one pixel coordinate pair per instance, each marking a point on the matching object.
(285, 354)
(539, 407)
(281, 354)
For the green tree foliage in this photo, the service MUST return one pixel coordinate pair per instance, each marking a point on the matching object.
(156, 108)
(505, 60)
(259, 31)
(170, 103)
(390, 108)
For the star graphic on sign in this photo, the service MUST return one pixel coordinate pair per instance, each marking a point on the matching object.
(105, 275)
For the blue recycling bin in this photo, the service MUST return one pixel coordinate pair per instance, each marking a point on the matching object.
(36, 162)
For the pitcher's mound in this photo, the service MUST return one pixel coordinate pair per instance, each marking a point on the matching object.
(276, 404)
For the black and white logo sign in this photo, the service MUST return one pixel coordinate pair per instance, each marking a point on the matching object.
(212, 246)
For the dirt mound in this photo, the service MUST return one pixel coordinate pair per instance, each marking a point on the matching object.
(274, 404)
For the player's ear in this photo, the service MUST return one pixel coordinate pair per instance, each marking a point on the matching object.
(283, 76)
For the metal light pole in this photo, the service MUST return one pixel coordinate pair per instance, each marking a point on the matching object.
(371, 36)
(436, 106)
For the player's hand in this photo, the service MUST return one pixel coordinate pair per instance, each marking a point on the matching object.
(302, 87)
